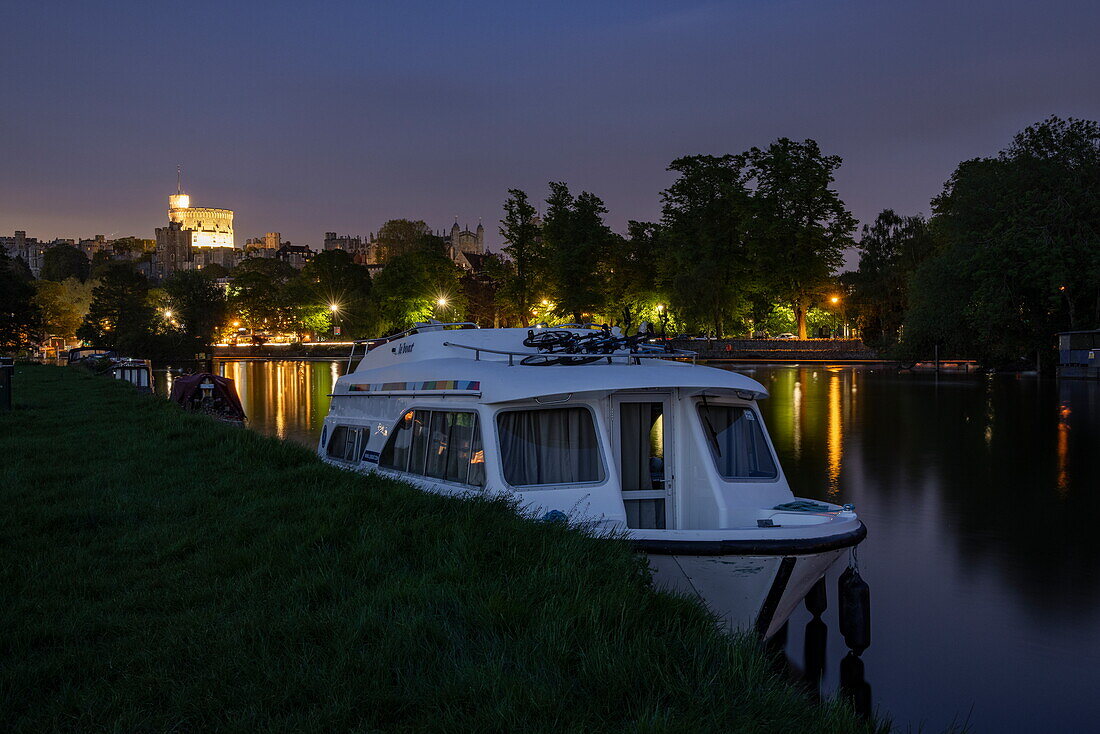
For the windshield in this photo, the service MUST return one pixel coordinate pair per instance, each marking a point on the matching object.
(737, 442)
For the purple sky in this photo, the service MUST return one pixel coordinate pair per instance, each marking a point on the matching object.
(314, 116)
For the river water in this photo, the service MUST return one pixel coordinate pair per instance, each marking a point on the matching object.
(981, 495)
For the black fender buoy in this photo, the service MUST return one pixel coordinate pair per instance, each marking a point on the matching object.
(817, 635)
(854, 598)
(854, 685)
(817, 601)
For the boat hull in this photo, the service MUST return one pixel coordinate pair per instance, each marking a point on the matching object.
(756, 589)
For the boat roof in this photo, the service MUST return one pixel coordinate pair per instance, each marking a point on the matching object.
(439, 361)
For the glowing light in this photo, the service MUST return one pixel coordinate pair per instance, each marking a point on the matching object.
(1063, 450)
(835, 435)
(835, 299)
(167, 313)
(660, 307)
(236, 323)
(334, 307)
(441, 301)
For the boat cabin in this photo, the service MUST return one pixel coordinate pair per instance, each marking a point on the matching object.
(632, 440)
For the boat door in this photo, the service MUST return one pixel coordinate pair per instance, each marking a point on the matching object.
(643, 437)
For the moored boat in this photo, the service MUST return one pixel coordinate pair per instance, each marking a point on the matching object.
(209, 394)
(610, 431)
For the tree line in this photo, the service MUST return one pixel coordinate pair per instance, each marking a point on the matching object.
(745, 243)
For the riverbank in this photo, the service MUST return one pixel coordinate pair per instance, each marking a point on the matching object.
(165, 571)
(738, 350)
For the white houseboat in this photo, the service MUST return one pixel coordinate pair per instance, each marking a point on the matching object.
(606, 431)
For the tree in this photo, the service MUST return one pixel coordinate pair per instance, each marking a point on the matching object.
(63, 305)
(402, 236)
(801, 226)
(891, 249)
(409, 287)
(576, 242)
(130, 246)
(1020, 249)
(333, 278)
(521, 231)
(64, 261)
(485, 293)
(259, 294)
(20, 320)
(197, 303)
(631, 275)
(707, 265)
(216, 271)
(120, 315)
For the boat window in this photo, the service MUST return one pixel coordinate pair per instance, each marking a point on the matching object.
(395, 454)
(737, 441)
(439, 444)
(551, 446)
(344, 443)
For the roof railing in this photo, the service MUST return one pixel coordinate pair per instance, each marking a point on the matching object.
(380, 340)
(630, 357)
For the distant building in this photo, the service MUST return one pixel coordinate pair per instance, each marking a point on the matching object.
(173, 251)
(209, 238)
(29, 249)
(211, 227)
(461, 243)
(270, 241)
(295, 255)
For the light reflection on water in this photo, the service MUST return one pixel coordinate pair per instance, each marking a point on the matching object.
(980, 495)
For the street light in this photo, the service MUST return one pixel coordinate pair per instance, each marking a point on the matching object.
(335, 308)
(167, 313)
(835, 299)
(441, 302)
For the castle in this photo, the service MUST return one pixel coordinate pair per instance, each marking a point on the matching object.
(194, 238)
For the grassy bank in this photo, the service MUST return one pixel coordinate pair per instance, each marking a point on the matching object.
(165, 572)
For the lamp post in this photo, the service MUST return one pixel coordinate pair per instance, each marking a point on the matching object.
(843, 321)
(441, 303)
(335, 309)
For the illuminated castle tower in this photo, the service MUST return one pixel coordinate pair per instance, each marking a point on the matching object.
(210, 227)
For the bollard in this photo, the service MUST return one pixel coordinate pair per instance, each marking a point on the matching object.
(7, 373)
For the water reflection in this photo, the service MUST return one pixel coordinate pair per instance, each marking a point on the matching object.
(979, 493)
(285, 399)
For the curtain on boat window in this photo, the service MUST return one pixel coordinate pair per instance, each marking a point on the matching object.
(737, 442)
(552, 446)
(641, 446)
(438, 444)
(477, 459)
(419, 449)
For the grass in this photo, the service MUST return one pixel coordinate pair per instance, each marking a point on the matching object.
(164, 572)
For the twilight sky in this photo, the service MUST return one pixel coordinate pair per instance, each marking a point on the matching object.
(311, 116)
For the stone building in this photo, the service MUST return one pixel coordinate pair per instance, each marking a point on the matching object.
(28, 249)
(294, 255)
(208, 239)
(211, 227)
(462, 242)
(173, 251)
